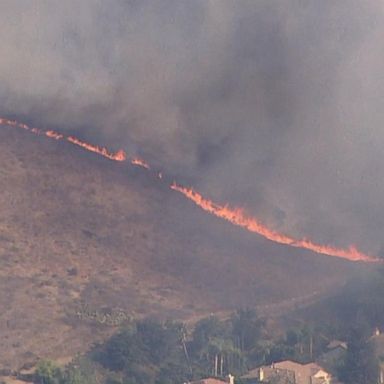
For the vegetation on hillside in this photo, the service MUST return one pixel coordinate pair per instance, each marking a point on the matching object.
(149, 351)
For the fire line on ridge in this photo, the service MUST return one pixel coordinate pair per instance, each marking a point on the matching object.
(235, 216)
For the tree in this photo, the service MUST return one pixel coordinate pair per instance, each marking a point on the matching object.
(47, 372)
(79, 371)
(206, 330)
(208, 343)
(122, 350)
(292, 337)
(147, 353)
(360, 365)
(246, 329)
(161, 341)
(279, 351)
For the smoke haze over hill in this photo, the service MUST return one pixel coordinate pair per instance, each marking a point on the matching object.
(275, 106)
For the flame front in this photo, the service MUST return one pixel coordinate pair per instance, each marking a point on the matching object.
(54, 135)
(239, 218)
(235, 216)
(118, 156)
(140, 163)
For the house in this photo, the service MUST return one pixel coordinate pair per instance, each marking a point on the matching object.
(334, 356)
(213, 380)
(289, 372)
(208, 380)
(269, 374)
(335, 344)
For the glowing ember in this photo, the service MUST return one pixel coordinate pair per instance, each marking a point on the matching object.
(234, 216)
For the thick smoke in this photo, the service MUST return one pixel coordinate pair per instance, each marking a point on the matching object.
(274, 105)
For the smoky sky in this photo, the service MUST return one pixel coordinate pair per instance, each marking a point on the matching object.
(272, 105)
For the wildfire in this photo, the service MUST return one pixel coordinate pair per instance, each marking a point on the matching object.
(54, 135)
(13, 123)
(118, 156)
(235, 216)
(238, 217)
(140, 163)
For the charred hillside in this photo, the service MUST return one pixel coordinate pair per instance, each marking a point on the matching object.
(83, 238)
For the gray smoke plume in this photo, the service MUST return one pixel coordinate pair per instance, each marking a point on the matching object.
(273, 105)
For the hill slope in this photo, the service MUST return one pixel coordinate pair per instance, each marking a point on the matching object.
(84, 240)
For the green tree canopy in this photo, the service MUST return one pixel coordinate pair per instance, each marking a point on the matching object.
(360, 365)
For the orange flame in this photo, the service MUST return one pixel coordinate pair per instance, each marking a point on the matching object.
(54, 135)
(118, 156)
(140, 163)
(13, 123)
(233, 215)
(238, 217)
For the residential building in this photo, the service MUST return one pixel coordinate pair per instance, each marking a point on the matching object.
(289, 372)
(334, 356)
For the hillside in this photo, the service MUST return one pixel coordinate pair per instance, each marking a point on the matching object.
(84, 240)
